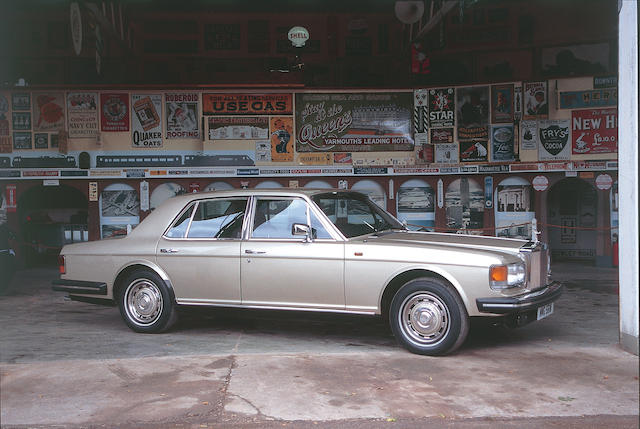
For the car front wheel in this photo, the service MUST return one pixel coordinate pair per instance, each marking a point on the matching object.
(145, 303)
(427, 317)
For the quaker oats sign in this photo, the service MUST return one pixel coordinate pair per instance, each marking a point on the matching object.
(594, 131)
(114, 112)
(146, 120)
(48, 111)
(354, 122)
(554, 138)
(82, 108)
(182, 115)
(442, 106)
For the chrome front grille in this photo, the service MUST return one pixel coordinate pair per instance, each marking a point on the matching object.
(536, 257)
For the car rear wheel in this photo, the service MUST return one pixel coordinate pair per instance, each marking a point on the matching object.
(427, 317)
(146, 305)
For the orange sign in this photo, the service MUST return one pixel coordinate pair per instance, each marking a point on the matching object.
(247, 104)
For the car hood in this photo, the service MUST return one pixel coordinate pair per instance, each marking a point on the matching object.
(417, 238)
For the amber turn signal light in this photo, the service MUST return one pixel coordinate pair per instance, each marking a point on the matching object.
(61, 265)
(498, 273)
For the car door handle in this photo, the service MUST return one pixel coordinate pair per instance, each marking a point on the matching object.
(168, 250)
(254, 252)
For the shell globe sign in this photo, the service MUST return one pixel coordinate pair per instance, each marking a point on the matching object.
(298, 36)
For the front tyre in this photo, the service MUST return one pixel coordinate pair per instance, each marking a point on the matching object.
(427, 317)
(145, 303)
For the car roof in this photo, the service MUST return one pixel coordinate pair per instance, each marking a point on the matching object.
(262, 191)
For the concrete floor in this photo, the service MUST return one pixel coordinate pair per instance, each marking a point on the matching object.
(77, 365)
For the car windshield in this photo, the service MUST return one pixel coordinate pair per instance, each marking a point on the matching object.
(355, 214)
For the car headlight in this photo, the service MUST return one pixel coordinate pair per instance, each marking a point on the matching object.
(507, 276)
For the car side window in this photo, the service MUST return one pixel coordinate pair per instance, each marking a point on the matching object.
(219, 218)
(179, 227)
(274, 218)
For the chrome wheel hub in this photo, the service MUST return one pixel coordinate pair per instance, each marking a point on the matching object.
(424, 318)
(143, 302)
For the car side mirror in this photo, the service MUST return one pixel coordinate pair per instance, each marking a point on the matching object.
(302, 230)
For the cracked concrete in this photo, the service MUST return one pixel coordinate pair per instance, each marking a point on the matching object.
(73, 364)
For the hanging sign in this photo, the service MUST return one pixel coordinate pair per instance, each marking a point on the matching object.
(604, 182)
(298, 36)
(540, 183)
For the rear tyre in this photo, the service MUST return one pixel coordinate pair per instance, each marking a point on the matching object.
(145, 303)
(427, 317)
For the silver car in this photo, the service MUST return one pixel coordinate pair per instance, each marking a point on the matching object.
(315, 250)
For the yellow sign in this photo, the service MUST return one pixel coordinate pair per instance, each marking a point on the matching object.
(315, 159)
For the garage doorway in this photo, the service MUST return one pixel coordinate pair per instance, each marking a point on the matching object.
(572, 206)
(50, 217)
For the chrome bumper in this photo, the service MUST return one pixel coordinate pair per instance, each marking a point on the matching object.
(521, 303)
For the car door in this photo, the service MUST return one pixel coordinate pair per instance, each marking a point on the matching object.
(200, 252)
(280, 269)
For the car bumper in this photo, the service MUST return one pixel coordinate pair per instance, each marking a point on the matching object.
(521, 303)
(79, 287)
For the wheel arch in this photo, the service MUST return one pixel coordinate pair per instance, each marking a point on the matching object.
(140, 265)
(411, 274)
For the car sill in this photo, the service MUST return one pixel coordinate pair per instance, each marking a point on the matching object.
(274, 307)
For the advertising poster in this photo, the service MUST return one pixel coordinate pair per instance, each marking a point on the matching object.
(238, 127)
(446, 153)
(442, 106)
(594, 131)
(48, 111)
(501, 104)
(529, 135)
(502, 143)
(4, 115)
(263, 151)
(586, 99)
(6, 146)
(247, 104)
(473, 112)
(474, 151)
(354, 122)
(514, 209)
(464, 205)
(114, 112)
(82, 109)
(314, 159)
(517, 102)
(281, 130)
(535, 100)
(420, 110)
(21, 121)
(146, 120)
(416, 205)
(21, 101)
(342, 158)
(182, 115)
(441, 135)
(554, 139)
(21, 140)
(41, 140)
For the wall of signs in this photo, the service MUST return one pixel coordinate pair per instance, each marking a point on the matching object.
(415, 205)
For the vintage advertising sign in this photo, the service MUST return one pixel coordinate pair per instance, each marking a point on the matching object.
(540, 183)
(82, 108)
(591, 98)
(4, 116)
(502, 143)
(182, 115)
(501, 104)
(281, 130)
(247, 104)
(21, 101)
(355, 122)
(48, 111)
(594, 131)
(41, 140)
(11, 198)
(114, 112)
(446, 153)
(342, 158)
(238, 127)
(21, 140)
(314, 159)
(535, 100)
(21, 121)
(517, 102)
(474, 151)
(442, 106)
(605, 81)
(420, 110)
(441, 135)
(146, 120)
(529, 135)
(604, 182)
(473, 112)
(554, 138)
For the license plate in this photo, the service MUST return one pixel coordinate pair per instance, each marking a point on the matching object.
(545, 310)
